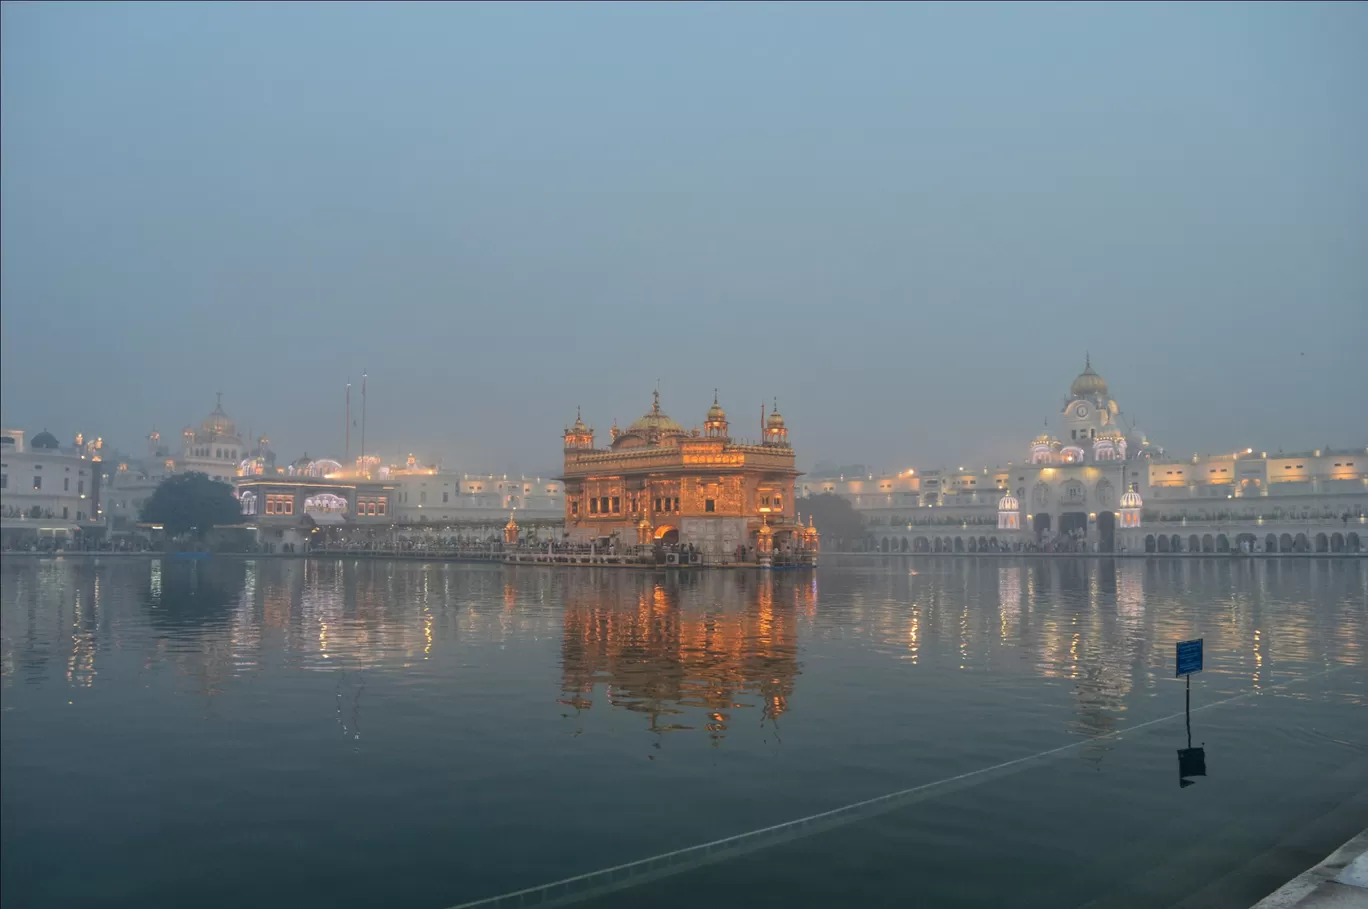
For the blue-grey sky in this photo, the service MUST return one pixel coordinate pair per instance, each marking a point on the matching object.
(908, 222)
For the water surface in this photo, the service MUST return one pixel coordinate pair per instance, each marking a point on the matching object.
(328, 733)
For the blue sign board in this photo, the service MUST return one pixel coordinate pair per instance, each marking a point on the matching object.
(1189, 657)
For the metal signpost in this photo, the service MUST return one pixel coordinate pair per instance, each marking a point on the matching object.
(1191, 761)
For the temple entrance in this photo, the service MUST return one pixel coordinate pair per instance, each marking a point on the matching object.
(667, 535)
(1041, 525)
(1106, 531)
(1072, 522)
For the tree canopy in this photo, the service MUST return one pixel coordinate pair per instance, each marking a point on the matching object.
(839, 523)
(191, 503)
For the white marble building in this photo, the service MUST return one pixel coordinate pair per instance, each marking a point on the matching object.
(1070, 486)
(46, 489)
(215, 448)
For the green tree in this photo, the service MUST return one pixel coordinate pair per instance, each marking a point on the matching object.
(836, 519)
(191, 503)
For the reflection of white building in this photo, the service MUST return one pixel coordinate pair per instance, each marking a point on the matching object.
(1073, 483)
(45, 489)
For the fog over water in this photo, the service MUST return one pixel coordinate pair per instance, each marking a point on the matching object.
(908, 223)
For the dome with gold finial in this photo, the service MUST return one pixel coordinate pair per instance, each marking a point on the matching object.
(656, 421)
(715, 413)
(579, 436)
(775, 419)
(1088, 384)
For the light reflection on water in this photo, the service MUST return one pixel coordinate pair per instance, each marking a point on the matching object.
(760, 697)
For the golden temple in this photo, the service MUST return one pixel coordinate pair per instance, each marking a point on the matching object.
(660, 483)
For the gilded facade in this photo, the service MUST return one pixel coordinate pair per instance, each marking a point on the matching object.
(658, 482)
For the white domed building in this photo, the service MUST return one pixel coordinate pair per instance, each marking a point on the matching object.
(215, 448)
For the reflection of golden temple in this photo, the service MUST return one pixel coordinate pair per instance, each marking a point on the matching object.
(660, 482)
(660, 658)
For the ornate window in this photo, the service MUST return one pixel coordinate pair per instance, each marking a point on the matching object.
(325, 503)
(248, 501)
(1073, 491)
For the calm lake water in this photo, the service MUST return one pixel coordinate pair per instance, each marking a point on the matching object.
(407, 735)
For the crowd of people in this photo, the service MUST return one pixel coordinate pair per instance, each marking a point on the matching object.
(76, 544)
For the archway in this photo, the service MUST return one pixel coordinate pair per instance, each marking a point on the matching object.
(1247, 542)
(983, 544)
(1164, 543)
(1208, 543)
(1271, 543)
(1041, 524)
(973, 545)
(1150, 545)
(1322, 543)
(1222, 543)
(993, 544)
(902, 544)
(920, 544)
(1194, 543)
(884, 544)
(959, 544)
(667, 535)
(1301, 543)
(1073, 521)
(1285, 543)
(1176, 543)
(1106, 531)
(937, 546)
(1351, 541)
(1337, 542)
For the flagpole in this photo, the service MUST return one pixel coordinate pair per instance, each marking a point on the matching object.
(346, 458)
(363, 421)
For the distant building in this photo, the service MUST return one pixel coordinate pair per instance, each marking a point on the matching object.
(290, 510)
(1071, 485)
(660, 482)
(431, 495)
(215, 448)
(47, 490)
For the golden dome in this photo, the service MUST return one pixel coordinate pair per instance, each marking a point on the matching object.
(655, 421)
(218, 423)
(1088, 384)
(1045, 439)
(1132, 500)
(579, 426)
(1008, 503)
(775, 420)
(715, 413)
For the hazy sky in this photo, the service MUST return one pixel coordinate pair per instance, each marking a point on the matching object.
(908, 222)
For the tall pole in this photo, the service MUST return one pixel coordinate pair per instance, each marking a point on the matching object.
(346, 458)
(363, 421)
